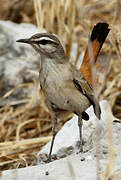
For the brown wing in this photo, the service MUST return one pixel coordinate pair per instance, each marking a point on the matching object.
(83, 86)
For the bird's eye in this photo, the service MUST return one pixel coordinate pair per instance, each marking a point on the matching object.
(43, 42)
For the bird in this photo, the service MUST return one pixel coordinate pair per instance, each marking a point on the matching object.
(65, 88)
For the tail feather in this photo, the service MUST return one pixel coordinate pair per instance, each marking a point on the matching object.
(97, 38)
(96, 106)
(99, 34)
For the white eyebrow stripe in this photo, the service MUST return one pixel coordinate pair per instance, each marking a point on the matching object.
(44, 38)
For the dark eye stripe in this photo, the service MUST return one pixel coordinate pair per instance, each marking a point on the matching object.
(44, 42)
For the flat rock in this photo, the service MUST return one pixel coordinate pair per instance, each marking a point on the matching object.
(67, 168)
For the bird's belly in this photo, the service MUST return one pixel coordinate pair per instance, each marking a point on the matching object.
(65, 98)
(53, 94)
(75, 101)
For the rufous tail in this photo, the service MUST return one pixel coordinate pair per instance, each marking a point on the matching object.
(96, 40)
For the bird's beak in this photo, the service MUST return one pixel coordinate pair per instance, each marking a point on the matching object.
(24, 41)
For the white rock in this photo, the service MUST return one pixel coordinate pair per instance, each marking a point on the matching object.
(16, 59)
(64, 169)
(69, 134)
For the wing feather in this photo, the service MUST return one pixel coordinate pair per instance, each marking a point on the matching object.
(83, 86)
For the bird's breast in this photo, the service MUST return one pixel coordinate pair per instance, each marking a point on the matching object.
(53, 77)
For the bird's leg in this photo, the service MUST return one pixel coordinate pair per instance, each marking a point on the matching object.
(54, 134)
(80, 123)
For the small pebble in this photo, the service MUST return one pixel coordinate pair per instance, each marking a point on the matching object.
(83, 159)
(47, 173)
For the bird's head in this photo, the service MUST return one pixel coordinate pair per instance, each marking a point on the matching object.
(45, 44)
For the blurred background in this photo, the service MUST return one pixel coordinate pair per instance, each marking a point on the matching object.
(24, 118)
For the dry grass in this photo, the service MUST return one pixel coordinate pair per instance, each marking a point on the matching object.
(22, 125)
